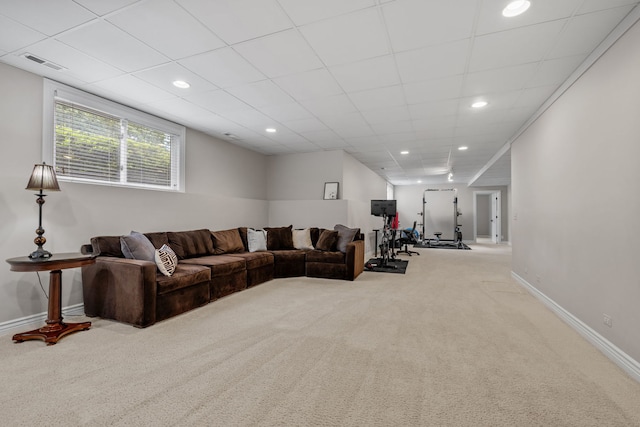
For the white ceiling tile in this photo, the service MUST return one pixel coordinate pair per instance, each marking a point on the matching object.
(286, 112)
(512, 47)
(306, 125)
(101, 7)
(490, 19)
(417, 23)
(218, 101)
(251, 119)
(310, 84)
(433, 62)
(384, 128)
(378, 98)
(238, 20)
(534, 97)
(434, 110)
(223, 67)
(596, 5)
(181, 35)
(47, 17)
(75, 63)
(585, 32)
(498, 79)
(329, 105)
(14, 35)
(335, 144)
(387, 115)
(354, 132)
(407, 138)
(306, 11)
(62, 76)
(434, 90)
(367, 74)
(112, 45)
(260, 94)
(163, 76)
(555, 71)
(280, 54)
(496, 100)
(134, 88)
(348, 38)
(322, 136)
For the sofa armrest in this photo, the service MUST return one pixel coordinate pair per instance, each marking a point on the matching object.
(355, 259)
(120, 289)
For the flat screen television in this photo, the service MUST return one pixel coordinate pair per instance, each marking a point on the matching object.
(383, 207)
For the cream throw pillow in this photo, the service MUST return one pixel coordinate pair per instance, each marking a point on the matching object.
(302, 239)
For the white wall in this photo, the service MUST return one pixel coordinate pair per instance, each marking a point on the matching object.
(576, 198)
(225, 187)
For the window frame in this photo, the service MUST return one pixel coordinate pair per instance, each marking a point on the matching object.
(57, 91)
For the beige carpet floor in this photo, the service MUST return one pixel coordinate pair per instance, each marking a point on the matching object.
(454, 342)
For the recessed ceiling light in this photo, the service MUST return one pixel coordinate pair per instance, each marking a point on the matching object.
(270, 130)
(479, 104)
(181, 84)
(463, 148)
(516, 8)
(419, 181)
(404, 152)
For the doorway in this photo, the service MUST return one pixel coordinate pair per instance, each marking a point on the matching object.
(487, 216)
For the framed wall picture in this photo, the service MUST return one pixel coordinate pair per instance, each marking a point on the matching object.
(330, 191)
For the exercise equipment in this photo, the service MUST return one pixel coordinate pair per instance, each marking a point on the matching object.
(456, 239)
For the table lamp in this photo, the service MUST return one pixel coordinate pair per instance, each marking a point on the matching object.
(42, 178)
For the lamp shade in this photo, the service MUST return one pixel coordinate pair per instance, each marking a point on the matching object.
(43, 177)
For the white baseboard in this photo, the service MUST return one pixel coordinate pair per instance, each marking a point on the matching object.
(36, 320)
(617, 356)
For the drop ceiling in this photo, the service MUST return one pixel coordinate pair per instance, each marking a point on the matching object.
(370, 77)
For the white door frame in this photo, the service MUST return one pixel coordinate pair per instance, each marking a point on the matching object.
(496, 214)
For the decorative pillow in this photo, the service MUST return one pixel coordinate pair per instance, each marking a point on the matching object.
(279, 238)
(137, 246)
(345, 236)
(302, 239)
(166, 260)
(256, 240)
(227, 241)
(327, 240)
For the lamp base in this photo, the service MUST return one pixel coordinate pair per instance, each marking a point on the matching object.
(40, 254)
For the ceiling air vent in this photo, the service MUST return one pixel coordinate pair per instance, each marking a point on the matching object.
(44, 62)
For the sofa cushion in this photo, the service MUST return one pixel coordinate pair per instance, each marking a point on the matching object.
(137, 246)
(255, 259)
(326, 257)
(189, 244)
(279, 238)
(345, 236)
(302, 239)
(220, 265)
(185, 275)
(327, 240)
(107, 246)
(243, 237)
(166, 260)
(227, 241)
(256, 240)
(158, 239)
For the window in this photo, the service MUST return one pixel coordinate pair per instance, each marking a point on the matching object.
(92, 140)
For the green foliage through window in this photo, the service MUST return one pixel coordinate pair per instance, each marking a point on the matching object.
(91, 145)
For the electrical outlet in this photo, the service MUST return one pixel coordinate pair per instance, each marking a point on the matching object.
(606, 319)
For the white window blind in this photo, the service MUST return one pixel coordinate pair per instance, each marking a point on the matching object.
(98, 141)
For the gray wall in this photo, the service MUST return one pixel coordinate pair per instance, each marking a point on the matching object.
(225, 187)
(296, 189)
(576, 197)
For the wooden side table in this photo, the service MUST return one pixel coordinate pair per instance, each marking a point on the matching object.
(55, 328)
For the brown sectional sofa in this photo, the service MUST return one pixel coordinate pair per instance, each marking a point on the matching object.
(135, 292)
